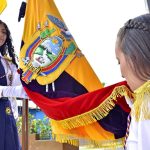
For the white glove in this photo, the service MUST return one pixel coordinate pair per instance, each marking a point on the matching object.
(13, 91)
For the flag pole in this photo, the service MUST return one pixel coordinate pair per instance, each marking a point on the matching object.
(148, 5)
(25, 134)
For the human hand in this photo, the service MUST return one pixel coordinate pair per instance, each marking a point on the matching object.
(13, 91)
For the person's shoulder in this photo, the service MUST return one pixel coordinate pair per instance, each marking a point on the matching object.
(141, 106)
(145, 107)
(11, 65)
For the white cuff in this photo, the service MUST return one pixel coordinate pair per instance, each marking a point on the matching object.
(13, 91)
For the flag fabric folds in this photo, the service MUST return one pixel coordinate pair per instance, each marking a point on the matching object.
(66, 107)
(45, 27)
(3, 4)
(99, 116)
(59, 79)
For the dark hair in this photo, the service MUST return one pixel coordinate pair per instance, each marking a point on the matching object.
(134, 42)
(7, 47)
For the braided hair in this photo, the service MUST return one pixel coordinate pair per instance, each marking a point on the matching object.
(134, 42)
(7, 47)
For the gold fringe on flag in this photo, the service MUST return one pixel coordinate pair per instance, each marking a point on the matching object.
(113, 144)
(95, 114)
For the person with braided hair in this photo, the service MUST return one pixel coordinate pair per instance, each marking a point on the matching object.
(10, 88)
(133, 55)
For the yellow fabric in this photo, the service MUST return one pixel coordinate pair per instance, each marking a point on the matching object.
(79, 69)
(92, 133)
(3, 4)
(140, 109)
(97, 133)
(84, 74)
(36, 13)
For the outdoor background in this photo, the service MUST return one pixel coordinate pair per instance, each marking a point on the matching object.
(93, 24)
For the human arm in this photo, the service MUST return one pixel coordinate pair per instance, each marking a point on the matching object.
(14, 87)
(144, 135)
(139, 135)
(13, 91)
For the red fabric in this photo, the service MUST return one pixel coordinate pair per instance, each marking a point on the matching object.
(62, 108)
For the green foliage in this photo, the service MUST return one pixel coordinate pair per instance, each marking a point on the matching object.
(36, 126)
(103, 83)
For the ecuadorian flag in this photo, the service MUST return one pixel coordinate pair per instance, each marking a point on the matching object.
(59, 79)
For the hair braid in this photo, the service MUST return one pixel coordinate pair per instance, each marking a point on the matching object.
(132, 24)
(11, 52)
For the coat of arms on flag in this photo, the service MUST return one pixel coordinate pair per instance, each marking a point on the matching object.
(49, 51)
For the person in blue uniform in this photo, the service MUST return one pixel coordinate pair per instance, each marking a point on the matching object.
(10, 88)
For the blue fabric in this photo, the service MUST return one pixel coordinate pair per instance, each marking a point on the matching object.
(8, 131)
(65, 86)
(115, 122)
